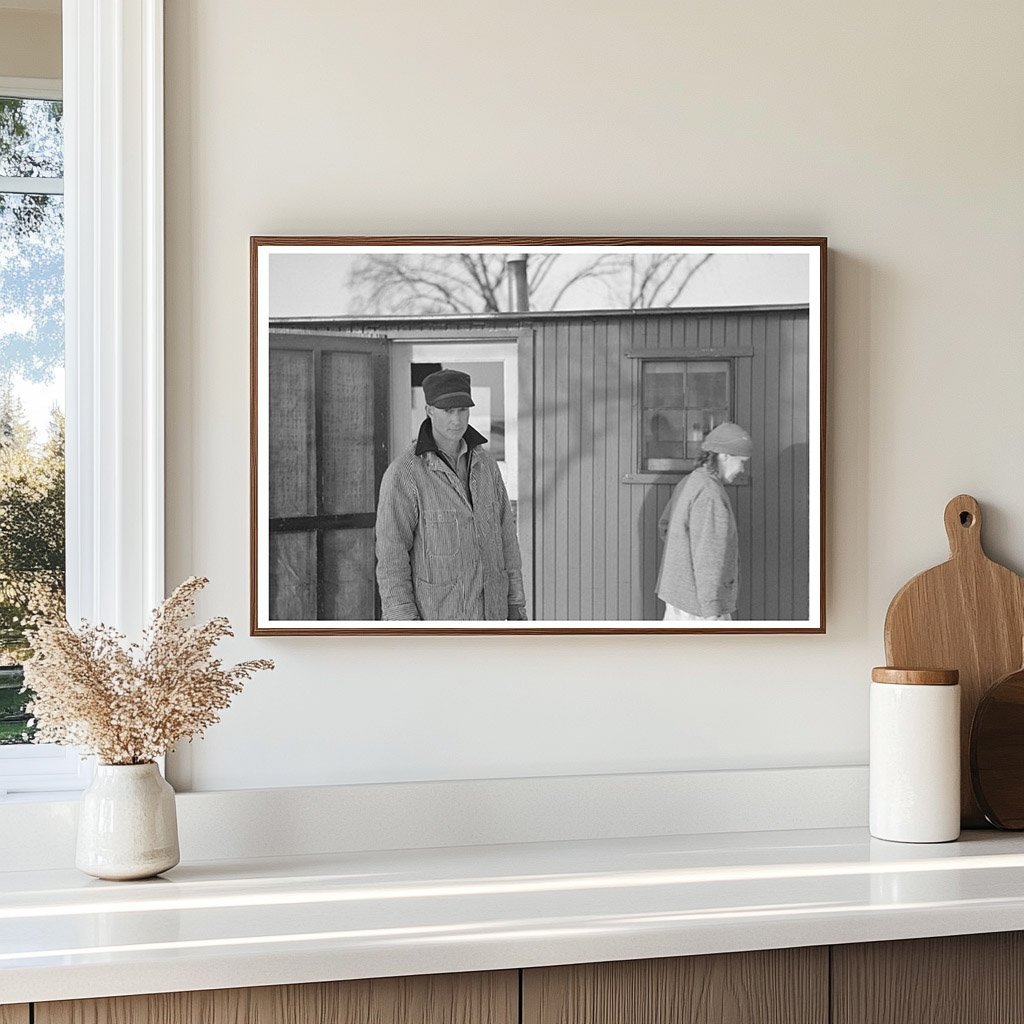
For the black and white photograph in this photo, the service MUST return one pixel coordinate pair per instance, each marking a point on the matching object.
(537, 435)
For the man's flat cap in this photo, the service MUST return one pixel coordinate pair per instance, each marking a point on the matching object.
(448, 389)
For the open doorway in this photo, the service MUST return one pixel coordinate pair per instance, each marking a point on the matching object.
(493, 368)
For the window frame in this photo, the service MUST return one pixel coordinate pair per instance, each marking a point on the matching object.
(687, 362)
(112, 89)
(638, 475)
(38, 767)
(32, 89)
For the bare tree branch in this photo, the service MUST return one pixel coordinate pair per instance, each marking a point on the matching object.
(686, 279)
(472, 282)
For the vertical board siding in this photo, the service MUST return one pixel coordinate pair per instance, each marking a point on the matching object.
(527, 458)
(744, 495)
(802, 541)
(561, 469)
(586, 508)
(773, 492)
(597, 435)
(787, 499)
(545, 507)
(575, 464)
(597, 543)
(624, 456)
(759, 467)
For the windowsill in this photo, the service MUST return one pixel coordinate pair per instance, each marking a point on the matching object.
(40, 772)
(673, 478)
(40, 797)
(389, 913)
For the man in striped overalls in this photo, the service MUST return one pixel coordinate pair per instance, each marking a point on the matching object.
(446, 535)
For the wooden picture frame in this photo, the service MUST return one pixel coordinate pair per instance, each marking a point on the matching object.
(598, 366)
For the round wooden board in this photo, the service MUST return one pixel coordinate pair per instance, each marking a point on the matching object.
(997, 752)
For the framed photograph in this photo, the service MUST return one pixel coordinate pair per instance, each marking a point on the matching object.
(537, 435)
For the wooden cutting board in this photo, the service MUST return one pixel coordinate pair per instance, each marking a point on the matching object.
(967, 614)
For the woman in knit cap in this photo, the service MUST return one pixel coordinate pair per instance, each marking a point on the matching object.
(700, 569)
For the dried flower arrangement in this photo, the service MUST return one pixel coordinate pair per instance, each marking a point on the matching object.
(129, 704)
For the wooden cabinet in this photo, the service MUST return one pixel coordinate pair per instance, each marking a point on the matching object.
(971, 979)
(777, 986)
(962, 979)
(491, 998)
(966, 979)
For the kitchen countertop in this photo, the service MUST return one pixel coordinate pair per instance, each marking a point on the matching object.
(225, 924)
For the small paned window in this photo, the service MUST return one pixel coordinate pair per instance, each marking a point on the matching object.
(681, 401)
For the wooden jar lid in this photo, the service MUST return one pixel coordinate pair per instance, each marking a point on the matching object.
(916, 676)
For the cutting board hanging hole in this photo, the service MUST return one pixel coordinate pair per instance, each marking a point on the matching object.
(963, 525)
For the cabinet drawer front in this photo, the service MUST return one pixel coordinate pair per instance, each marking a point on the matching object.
(778, 986)
(960, 979)
(483, 998)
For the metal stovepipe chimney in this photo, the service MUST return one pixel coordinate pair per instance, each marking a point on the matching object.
(518, 288)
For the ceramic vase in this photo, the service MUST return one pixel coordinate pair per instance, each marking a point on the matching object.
(127, 825)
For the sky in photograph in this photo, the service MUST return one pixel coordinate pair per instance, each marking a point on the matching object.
(318, 284)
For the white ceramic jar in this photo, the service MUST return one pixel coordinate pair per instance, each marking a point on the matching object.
(915, 755)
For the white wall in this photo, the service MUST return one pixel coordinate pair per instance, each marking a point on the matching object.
(30, 47)
(894, 129)
(30, 43)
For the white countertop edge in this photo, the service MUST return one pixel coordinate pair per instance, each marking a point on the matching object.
(542, 948)
(287, 920)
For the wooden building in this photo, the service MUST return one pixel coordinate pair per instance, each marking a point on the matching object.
(601, 415)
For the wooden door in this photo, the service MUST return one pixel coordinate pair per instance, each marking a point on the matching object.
(776, 986)
(483, 998)
(960, 979)
(15, 1014)
(328, 434)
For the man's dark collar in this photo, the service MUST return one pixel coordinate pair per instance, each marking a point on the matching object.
(425, 441)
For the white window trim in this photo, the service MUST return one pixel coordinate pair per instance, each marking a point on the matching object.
(33, 186)
(114, 324)
(32, 88)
